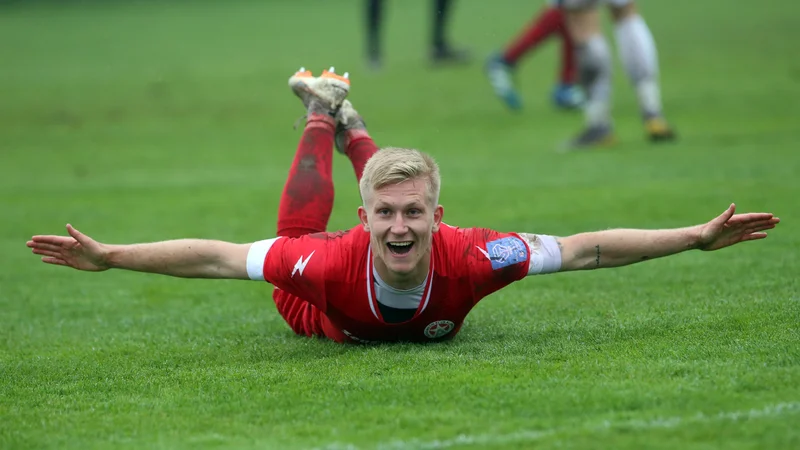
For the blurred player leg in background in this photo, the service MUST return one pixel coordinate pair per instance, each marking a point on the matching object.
(637, 50)
(441, 50)
(500, 67)
(374, 9)
(594, 71)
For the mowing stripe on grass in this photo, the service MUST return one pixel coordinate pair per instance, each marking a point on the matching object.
(533, 435)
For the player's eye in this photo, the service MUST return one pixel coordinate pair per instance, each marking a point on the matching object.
(384, 212)
(414, 212)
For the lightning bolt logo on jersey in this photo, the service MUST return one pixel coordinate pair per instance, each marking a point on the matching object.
(300, 265)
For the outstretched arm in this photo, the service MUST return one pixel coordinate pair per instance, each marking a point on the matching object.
(613, 248)
(188, 258)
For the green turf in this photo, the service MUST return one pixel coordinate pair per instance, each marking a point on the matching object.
(141, 121)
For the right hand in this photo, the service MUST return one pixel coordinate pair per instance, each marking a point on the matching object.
(76, 250)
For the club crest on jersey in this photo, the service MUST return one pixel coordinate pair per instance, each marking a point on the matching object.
(439, 328)
(506, 251)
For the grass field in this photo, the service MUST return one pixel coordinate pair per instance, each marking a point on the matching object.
(143, 121)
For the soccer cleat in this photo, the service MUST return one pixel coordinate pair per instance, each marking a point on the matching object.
(595, 136)
(500, 77)
(347, 118)
(374, 63)
(298, 81)
(568, 96)
(446, 54)
(328, 90)
(658, 130)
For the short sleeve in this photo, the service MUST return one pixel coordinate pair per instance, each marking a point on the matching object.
(295, 265)
(545, 253)
(497, 259)
(256, 256)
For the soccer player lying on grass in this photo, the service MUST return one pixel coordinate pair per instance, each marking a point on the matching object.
(401, 274)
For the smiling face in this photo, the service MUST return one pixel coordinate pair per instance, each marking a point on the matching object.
(401, 219)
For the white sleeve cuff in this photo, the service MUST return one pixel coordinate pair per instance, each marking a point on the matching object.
(256, 257)
(545, 254)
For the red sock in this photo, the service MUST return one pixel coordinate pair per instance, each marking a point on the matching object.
(569, 66)
(307, 198)
(360, 148)
(547, 23)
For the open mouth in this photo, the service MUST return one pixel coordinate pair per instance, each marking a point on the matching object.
(400, 248)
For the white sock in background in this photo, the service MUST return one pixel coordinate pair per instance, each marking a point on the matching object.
(637, 50)
(594, 73)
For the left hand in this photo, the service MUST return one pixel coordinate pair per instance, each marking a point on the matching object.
(77, 250)
(729, 229)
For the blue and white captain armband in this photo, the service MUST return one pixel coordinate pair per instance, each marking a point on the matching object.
(545, 253)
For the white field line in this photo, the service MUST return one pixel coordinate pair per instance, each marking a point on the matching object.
(534, 435)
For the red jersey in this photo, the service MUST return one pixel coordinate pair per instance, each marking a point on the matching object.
(334, 272)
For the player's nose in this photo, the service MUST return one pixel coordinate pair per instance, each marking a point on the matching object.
(399, 226)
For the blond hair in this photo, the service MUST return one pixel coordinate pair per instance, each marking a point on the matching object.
(392, 165)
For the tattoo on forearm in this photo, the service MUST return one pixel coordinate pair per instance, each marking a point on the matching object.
(597, 260)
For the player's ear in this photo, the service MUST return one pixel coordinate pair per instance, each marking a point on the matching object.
(438, 214)
(362, 216)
